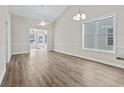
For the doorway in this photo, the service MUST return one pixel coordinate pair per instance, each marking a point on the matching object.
(38, 39)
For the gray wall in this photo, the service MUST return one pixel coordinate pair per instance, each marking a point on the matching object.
(8, 35)
(68, 39)
(20, 33)
(4, 36)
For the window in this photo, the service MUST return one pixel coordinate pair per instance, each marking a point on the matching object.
(45, 38)
(40, 39)
(32, 39)
(99, 34)
(110, 37)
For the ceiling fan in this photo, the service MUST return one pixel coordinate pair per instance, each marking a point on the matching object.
(42, 22)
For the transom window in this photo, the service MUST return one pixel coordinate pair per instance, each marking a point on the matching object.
(99, 34)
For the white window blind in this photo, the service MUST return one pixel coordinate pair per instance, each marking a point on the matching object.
(99, 35)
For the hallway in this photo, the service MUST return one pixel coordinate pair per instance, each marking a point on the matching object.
(41, 68)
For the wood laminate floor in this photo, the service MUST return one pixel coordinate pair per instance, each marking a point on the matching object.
(52, 69)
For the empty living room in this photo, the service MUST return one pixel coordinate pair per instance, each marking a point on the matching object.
(61, 45)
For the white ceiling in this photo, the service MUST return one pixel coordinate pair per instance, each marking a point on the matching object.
(47, 13)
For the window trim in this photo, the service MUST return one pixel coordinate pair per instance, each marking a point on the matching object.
(114, 33)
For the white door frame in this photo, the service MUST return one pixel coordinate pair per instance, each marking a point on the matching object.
(45, 31)
(6, 39)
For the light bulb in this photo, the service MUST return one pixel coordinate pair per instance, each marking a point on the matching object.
(83, 16)
(74, 18)
(78, 15)
(77, 18)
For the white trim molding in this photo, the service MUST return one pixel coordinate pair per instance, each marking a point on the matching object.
(2, 73)
(9, 57)
(92, 59)
(3, 63)
(113, 15)
(20, 53)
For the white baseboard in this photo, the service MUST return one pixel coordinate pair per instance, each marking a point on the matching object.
(50, 50)
(14, 53)
(93, 59)
(2, 74)
(20, 53)
(9, 58)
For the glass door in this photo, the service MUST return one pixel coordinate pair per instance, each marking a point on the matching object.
(38, 39)
(32, 39)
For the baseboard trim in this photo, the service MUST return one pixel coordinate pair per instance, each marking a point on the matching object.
(20, 53)
(9, 58)
(50, 50)
(2, 74)
(92, 59)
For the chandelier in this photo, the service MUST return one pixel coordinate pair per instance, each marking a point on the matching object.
(79, 16)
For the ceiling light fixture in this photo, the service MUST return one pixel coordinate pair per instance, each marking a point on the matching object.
(79, 16)
(42, 22)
